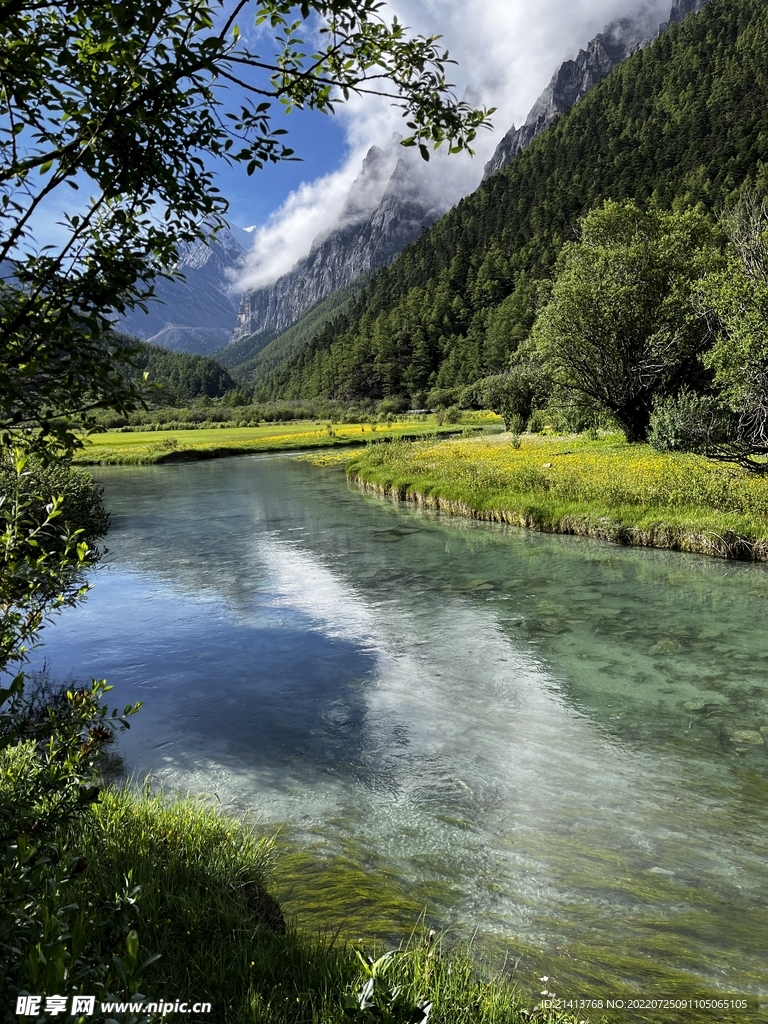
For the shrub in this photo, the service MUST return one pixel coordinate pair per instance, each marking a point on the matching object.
(511, 394)
(537, 421)
(516, 425)
(394, 404)
(574, 417)
(167, 444)
(686, 422)
(441, 398)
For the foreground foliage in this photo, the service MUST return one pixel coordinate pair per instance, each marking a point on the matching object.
(51, 518)
(190, 885)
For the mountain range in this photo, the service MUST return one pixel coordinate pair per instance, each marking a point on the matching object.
(680, 122)
(389, 205)
(197, 313)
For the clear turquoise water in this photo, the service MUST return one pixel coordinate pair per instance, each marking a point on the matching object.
(550, 741)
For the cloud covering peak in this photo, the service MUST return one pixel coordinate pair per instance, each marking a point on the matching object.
(506, 50)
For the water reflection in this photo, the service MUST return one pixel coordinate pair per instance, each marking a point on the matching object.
(545, 737)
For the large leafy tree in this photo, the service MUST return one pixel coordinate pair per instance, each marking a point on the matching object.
(730, 422)
(130, 103)
(622, 328)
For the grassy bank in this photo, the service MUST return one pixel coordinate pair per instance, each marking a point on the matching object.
(203, 906)
(601, 488)
(115, 447)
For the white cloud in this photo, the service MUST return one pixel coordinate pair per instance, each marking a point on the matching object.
(506, 50)
(287, 235)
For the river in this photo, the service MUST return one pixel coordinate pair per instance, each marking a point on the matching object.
(551, 742)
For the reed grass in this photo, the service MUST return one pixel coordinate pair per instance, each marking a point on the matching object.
(601, 488)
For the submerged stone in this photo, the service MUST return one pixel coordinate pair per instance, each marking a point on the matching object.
(702, 705)
(665, 647)
(480, 584)
(747, 736)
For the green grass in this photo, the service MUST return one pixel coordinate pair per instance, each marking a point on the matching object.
(157, 446)
(203, 907)
(601, 488)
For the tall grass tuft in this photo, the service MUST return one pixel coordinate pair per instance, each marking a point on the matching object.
(202, 904)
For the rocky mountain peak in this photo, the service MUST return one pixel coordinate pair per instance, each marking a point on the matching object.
(198, 313)
(370, 185)
(387, 207)
(682, 8)
(574, 78)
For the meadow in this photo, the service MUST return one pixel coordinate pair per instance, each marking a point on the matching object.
(136, 447)
(598, 487)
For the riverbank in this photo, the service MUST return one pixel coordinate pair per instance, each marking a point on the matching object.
(602, 488)
(428, 768)
(203, 906)
(152, 447)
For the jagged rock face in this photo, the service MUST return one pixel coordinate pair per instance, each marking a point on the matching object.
(574, 78)
(387, 208)
(196, 315)
(682, 8)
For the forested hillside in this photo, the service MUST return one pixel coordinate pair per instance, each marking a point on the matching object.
(253, 358)
(684, 122)
(181, 377)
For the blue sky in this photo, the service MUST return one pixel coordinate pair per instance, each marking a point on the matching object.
(321, 143)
